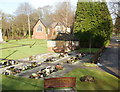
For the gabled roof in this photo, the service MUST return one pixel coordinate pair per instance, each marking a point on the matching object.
(38, 21)
(44, 23)
(49, 25)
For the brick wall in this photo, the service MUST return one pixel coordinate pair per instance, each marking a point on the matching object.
(39, 35)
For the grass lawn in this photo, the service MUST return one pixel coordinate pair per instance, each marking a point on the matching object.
(89, 65)
(24, 51)
(87, 50)
(20, 83)
(104, 81)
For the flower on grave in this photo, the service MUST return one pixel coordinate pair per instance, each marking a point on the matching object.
(87, 78)
(32, 58)
(59, 67)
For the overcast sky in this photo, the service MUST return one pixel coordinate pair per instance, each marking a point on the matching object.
(9, 6)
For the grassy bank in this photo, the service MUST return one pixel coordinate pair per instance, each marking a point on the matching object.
(104, 81)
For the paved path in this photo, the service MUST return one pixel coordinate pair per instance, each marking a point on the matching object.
(110, 58)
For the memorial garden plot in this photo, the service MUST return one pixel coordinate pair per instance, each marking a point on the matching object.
(38, 61)
(55, 64)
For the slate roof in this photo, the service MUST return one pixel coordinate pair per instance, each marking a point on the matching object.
(53, 25)
(44, 23)
(64, 37)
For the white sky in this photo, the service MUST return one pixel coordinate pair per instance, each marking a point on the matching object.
(9, 6)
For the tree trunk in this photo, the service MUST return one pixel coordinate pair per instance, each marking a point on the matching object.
(29, 26)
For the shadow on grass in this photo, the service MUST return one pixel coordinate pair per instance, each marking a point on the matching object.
(19, 79)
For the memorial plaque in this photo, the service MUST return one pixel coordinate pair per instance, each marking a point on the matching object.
(60, 82)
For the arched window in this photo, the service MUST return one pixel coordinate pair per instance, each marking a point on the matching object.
(39, 28)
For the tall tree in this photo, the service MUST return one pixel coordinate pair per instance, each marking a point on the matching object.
(25, 8)
(45, 14)
(20, 26)
(6, 25)
(64, 14)
(117, 25)
(115, 8)
(115, 11)
(93, 24)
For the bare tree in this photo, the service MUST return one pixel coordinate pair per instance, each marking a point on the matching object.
(115, 11)
(5, 24)
(117, 23)
(45, 14)
(25, 8)
(64, 14)
(115, 8)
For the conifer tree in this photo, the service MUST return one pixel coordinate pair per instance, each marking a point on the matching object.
(93, 24)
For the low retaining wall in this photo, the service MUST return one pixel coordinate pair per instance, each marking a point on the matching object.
(62, 46)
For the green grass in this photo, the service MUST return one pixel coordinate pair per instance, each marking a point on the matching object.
(89, 65)
(104, 81)
(23, 51)
(4, 45)
(87, 50)
(20, 83)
